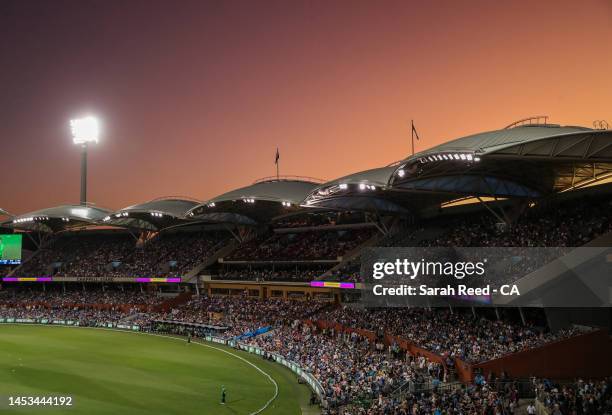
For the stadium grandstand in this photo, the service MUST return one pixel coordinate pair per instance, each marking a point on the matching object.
(275, 268)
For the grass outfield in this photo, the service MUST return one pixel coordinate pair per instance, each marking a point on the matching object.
(115, 372)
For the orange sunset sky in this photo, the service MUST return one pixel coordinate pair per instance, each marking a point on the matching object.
(196, 96)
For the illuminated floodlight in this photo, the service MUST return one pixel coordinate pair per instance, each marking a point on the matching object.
(401, 172)
(470, 157)
(343, 186)
(362, 186)
(79, 212)
(211, 205)
(85, 130)
(476, 158)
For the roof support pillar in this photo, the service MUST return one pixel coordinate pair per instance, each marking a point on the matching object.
(379, 223)
(236, 235)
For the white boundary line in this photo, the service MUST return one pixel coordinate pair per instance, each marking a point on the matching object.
(260, 410)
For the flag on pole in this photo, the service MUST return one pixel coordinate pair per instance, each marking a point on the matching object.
(276, 158)
(413, 134)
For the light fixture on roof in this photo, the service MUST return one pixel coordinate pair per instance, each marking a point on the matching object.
(362, 186)
(79, 212)
(401, 172)
(343, 186)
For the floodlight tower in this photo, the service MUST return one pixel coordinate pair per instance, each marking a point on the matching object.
(84, 131)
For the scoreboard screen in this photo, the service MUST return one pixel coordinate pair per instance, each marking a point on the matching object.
(10, 249)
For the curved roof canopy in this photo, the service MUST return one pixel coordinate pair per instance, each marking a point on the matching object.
(362, 191)
(156, 214)
(58, 218)
(258, 202)
(524, 161)
(4, 213)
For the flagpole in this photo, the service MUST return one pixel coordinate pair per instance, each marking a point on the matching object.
(276, 161)
(412, 134)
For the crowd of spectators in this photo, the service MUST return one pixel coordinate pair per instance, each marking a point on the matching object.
(569, 224)
(79, 297)
(452, 334)
(581, 397)
(560, 225)
(349, 271)
(120, 255)
(266, 274)
(240, 314)
(43, 261)
(358, 374)
(348, 366)
(302, 246)
(483, 399)
(457, 334)
(84, 316)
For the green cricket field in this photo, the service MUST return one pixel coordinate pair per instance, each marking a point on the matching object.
(118, 372)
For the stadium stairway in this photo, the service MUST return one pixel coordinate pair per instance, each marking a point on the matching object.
(604, 241)
(192, 276)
